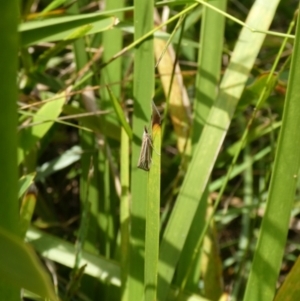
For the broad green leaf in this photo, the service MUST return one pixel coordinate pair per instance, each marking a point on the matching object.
(20, 267)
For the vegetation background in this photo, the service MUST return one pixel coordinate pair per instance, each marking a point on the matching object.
(217, 215)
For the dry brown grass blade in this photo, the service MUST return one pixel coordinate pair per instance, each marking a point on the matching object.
(179, 106)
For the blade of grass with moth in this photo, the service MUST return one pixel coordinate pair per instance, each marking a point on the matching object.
(146, 151)
(145, 158)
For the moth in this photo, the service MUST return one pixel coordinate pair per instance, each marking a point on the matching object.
(146, 151)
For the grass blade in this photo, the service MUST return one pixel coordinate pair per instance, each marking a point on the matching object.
(273, 232)
(143, 93)
(208, 146)
(152, 219)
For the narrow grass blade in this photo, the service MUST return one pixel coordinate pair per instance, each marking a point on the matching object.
(275, 224)
(24, 183)
(143, 92)
(89, 187)
(112, 100)
(55, 29)
(124, 213)
(27, 209)
(152, 219)
(120, 113)
(209, 65)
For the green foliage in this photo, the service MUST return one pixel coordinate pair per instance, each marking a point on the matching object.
(214, 210)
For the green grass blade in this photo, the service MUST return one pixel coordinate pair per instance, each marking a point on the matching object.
(275, 224)
(120, 113)
(89, 187)
(112, 99)
(8, 117)
(9, 206)
(63, 252)
(238, 169)
(152, 219)
(143, 93)
(60, 28)
(251, 27)
(209, 65)
(124, 213)
(210, 142)
(27, 209)
(25, 182)
(54, 4)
